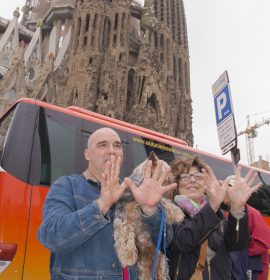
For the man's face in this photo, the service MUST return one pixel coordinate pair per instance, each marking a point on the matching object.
(102, 145)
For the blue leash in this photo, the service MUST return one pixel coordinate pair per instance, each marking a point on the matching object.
(162, 229)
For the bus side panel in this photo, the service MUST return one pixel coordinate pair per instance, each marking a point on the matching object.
(37, 257)
(14, 214)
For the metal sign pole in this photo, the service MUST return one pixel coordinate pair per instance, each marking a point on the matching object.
(235, 155)
(225, 118)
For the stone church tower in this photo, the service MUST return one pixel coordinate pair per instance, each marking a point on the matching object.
(97, 61)
(114, 57)
(160, 95)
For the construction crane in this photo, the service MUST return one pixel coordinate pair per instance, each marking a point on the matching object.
(251, 133)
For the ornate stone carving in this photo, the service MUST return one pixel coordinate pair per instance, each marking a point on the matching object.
(123, 60)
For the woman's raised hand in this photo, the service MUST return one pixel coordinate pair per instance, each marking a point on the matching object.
(215, 190)
(241, 190)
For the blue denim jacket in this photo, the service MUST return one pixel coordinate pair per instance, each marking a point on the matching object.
(79, 236)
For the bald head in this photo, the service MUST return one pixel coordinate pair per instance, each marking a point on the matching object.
(100, 133)
(102, 145)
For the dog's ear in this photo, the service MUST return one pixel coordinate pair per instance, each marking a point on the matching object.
(152, 156)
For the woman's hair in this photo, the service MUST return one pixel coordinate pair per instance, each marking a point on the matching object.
(182, 166)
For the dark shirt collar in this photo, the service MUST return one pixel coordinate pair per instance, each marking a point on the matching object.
(94, 184)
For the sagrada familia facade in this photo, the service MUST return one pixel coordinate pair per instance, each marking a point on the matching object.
(114, 57)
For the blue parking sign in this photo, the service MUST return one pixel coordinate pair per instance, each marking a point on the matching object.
(223, 105)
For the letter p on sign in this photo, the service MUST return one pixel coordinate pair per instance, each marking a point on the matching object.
(221, 104)
(223, 107)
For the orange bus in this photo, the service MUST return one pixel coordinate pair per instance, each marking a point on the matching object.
(40, 142)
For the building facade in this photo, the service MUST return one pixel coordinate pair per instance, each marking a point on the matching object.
(114, 57)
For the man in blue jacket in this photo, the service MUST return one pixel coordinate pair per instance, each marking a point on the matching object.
(78, 213)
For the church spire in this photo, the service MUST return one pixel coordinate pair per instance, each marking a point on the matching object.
(149, 20)
(16, 13)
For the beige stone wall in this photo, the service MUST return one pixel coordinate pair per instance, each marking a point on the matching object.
(133, 69)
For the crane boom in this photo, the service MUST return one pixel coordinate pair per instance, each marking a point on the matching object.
(250, 133)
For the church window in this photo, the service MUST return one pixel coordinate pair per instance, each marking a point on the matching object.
(87, 22)
(92, 41)
(123, 21)
(156, 39)
(116, 21)
(161, 57)
(168, 12)
(95, 21)
(162, 41)
(75, 96)
(131, 77)
(60, 42)
(174, 68)
(77, 34)
(180, 66)
(106, 33)
(122, 40)
(141, 87)
(168, 53)
(114, 40)
(79, 26)
(161, 10)
(31, 74)
(155, 8)
(152, 101)
(63, 24)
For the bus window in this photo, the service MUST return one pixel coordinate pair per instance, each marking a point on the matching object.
(58, 147)
(17, 147)
(140, 148)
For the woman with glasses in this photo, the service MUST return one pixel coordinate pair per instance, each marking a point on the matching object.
(199, 194)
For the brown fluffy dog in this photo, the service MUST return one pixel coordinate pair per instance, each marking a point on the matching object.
(133, 242)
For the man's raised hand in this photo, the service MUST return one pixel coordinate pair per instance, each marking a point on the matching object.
(111, 190)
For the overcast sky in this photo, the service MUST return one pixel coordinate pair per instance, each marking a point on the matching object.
(234, 36)
(7, 7)
(224, 35)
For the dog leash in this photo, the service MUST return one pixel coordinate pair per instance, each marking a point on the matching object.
(125, 273)
(162, 229)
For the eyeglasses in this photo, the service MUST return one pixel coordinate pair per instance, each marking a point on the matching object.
(198, 176)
